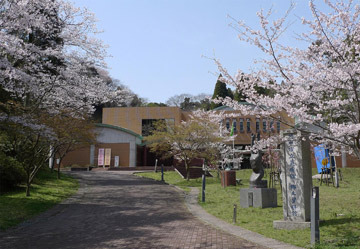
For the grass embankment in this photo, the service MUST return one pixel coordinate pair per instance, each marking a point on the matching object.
(46, 191)
(339, 209)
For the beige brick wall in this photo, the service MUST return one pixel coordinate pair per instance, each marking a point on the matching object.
(131, 117)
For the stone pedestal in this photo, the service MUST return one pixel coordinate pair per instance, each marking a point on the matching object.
(291, 225)
(258, 197)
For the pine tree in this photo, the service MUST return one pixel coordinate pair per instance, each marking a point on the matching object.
(230, 93)
(219, 91)
(239, 96)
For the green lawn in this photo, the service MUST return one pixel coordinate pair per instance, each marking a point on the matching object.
(339, 209)
(46, 191)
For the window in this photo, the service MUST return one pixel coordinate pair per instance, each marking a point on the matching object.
(170, 121)
(227, 124)
(264, 125)
(257, 125)
(241, 125)
(234, 125)
(272, 125)
(148, 125)
(248, 125)
(278, 126)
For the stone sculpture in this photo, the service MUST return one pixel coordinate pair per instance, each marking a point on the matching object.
(257, 167)
(258, 195)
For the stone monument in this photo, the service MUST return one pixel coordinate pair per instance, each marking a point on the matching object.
(296, 180)
(258, 195)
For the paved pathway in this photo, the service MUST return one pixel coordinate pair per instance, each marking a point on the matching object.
(119, 210)
(198, 211)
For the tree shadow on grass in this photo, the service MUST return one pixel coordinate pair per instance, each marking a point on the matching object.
(339, 221)
(345, 230)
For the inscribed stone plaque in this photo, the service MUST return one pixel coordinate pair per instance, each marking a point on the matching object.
(296, 176)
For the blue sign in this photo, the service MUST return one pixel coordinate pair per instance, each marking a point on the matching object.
(320, 154)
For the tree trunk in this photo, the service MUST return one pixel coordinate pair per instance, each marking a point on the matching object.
(58, 173)
(28, 188)
(52, 164)
(187, 171)
(28, 182)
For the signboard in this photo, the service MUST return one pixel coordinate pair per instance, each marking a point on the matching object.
(322, 158)
(107, 156)
(116, 161)
(101, 157)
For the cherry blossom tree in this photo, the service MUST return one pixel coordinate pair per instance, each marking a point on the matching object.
(49, 57)
(71, 133)
(50, 62)
(201, 136)
(317, 85)
(27, 141)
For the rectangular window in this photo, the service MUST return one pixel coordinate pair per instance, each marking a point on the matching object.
(257, 125)
(234, 125)
(148, 125)
(278, 126)
(264, 125)
(170, 121)
(228, 124)
(241, 125)
(272, 125)
(248, 125)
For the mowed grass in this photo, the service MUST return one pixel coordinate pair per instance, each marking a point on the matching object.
(174, 178)
(339, 209)
(46, 191)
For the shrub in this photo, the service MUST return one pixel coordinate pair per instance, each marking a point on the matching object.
(11, 173)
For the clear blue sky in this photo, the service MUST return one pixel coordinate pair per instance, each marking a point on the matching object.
(157, 45)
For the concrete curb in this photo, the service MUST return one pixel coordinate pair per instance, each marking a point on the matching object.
(191, 201)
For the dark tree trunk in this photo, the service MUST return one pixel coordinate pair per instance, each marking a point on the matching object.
(52, 164)
(58, 169)
(187, 171)
(28, 188)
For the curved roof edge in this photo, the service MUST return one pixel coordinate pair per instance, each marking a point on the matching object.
(227, 108)
(119, 128)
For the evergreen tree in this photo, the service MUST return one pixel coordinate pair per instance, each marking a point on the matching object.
(219, 91)
(230, 93)
(156, 104)
(239, 96)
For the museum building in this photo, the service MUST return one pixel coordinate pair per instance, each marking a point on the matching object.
(120, 135)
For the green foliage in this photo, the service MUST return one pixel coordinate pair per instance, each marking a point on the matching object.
(188, 105)
(219, 91)
(239, 96)
(155, 104)
(230, 93)
(11, 173)
(47, 191)
(264, 91)
(205, 104)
